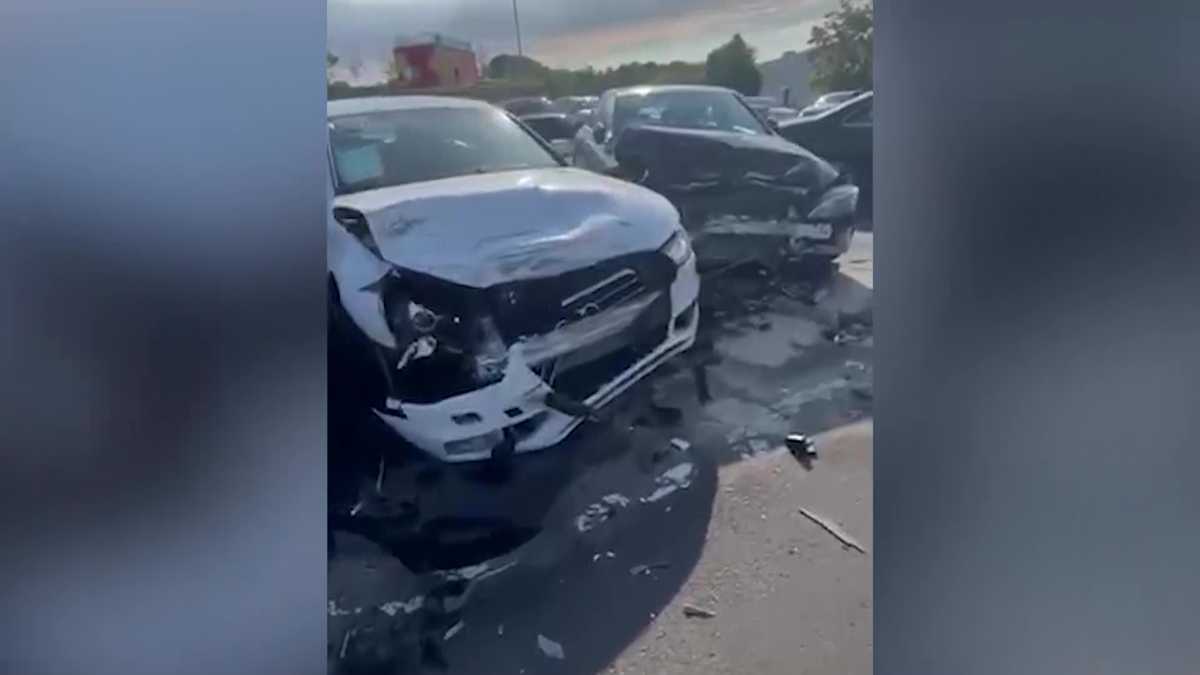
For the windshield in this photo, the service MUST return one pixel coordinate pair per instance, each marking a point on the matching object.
(572, 105)
(398, 147)
(710, 110)
(550, 128)
(529, 106)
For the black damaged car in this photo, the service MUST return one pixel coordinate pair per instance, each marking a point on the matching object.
(843, 135)
(742, 190)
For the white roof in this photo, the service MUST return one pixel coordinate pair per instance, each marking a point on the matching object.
(370, 104)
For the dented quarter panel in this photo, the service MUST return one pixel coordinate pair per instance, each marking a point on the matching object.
(356, 269)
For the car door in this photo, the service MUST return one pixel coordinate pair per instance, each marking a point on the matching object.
(856, 127)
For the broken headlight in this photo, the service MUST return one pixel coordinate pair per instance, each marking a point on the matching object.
(678, 248)
(490, 354)
(839, 203)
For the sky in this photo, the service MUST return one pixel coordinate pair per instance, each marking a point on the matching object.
(572, 33)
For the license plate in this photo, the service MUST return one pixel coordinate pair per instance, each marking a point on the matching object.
(814, 230)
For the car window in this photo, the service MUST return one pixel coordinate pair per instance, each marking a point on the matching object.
(551, 128)
(529, 106)
(863, 117)
(688, 109)
(390, 148)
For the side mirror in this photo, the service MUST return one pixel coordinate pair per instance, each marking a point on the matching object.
(773, 123)
(599, 134)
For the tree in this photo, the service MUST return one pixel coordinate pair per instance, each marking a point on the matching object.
(841, 54)
(513, 67)
(331, 60)
(732, 65)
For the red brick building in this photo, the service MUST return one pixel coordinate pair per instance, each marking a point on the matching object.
(436, 61)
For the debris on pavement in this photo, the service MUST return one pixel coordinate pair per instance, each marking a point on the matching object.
(803, 449)
(500, 629)
(600, 511)
(680, 444)
(379, 477)
(801, 445)
(678, 476)
(453, 630)
(476, 572)
(346, 641)
(550, 648)
(833, 529)
(638, 570)
(334, 610)
(698, 612)
(408, 607)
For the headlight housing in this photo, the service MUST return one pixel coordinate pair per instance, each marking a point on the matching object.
(678, 248)
(839, 203)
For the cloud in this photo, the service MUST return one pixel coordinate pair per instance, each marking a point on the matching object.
(573, 33)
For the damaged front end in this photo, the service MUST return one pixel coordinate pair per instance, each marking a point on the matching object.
(743, 195)
(473, 373)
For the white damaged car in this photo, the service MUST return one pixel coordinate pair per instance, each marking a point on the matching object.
(499, 296)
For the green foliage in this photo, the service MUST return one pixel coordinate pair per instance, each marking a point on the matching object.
(555, 82)
(732, 65)
(841, 54)
(331, 60)
(513, 67)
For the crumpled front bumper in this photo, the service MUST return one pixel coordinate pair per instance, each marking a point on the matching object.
(468, 427)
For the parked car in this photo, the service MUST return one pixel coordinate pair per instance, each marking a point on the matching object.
(557, 129)
(830, 100)
(578, 108)
(843, 135)
(531, 105)
(738, 185)
(770, 110)
(496, 296)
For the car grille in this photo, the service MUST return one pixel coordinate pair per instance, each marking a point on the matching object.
(537, 306)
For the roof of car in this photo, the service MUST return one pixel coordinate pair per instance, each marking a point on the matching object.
(656, 88)
(371, 104)
(543, 116)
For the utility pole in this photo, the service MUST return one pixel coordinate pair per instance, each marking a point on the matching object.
(517, 23)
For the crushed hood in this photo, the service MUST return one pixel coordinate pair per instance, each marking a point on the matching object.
(491, 228)
(694, 158)
(710, 173)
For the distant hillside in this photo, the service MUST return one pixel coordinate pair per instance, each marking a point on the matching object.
(790, 70)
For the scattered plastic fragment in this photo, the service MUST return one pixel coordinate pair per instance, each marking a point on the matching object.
(550, 648)
(453, 630)
(680, 444)
(799, 445)
(334, 610)
(637, 570)
(346, 641)
(600, 511)
(476, 572)
(678, 476)
(833, 529)
(407, 606)
(698, 612)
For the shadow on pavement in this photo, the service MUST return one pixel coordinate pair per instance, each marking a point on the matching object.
(576, 588)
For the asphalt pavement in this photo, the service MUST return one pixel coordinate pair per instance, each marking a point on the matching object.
(583, 557)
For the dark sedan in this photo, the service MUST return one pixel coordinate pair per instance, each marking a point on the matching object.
(841, 135)
(733, 179)
(532, 105)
